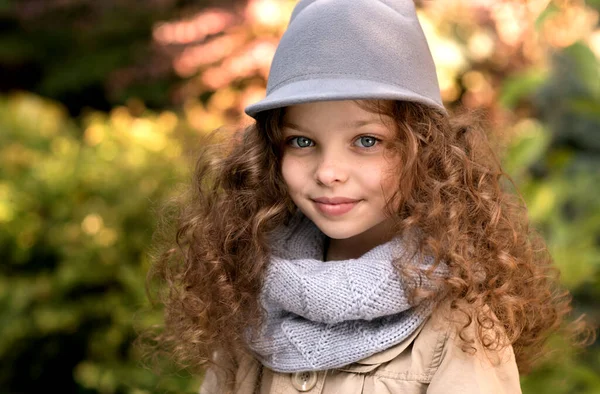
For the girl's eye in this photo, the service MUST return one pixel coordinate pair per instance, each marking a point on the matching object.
(300, 142)
(367, 141)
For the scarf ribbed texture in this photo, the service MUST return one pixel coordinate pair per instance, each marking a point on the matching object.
(322, 315)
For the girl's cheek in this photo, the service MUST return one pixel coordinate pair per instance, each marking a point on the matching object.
(291, 170)
(390, 174)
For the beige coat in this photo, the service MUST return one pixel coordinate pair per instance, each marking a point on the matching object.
(429, 361)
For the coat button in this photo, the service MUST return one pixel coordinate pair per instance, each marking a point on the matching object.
(304, 381)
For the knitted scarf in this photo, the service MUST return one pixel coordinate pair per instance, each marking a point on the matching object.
(322, 315)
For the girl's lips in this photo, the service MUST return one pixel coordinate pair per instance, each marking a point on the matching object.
(335, 200)
(335, 209)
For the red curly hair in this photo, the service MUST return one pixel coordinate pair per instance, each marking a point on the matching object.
(450, 190)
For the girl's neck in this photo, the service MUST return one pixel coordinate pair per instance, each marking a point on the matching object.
(358, 245)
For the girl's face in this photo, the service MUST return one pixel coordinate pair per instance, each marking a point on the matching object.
(338, 166)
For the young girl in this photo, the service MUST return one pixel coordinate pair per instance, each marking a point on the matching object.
(357, 238)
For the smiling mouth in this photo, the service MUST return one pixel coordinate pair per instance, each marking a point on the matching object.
(336, 209)
(335, 200)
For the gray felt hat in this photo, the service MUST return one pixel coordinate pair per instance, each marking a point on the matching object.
(351, 49)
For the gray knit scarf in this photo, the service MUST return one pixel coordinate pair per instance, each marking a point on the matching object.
(322, 315)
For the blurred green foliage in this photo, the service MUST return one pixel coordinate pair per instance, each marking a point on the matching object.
(75, 227)
(555, 160)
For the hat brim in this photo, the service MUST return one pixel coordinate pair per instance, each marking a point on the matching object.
(333, 89)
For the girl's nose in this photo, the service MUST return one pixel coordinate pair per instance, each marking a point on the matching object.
(331, 170)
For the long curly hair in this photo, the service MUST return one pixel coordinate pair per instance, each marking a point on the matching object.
(450, 191)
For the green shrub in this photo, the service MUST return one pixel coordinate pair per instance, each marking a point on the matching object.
(76, 221)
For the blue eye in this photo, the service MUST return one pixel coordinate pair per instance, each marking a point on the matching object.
(300, 142)
(368, 141)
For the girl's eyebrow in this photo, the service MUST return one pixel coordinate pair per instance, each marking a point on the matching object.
(355, 124)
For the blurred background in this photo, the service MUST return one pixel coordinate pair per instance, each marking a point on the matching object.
(101, 105)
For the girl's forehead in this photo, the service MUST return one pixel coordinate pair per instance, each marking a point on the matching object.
(346, 113)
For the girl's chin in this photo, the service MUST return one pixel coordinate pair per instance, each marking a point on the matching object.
(336, 230)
